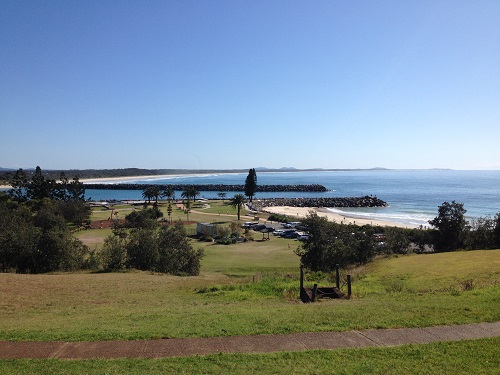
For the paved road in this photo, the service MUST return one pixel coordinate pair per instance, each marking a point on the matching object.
(245, 344)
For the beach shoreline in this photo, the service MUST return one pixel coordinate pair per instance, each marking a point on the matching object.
(112, 180)
(301, 212)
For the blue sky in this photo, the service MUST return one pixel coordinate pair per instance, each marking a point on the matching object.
(242, 84)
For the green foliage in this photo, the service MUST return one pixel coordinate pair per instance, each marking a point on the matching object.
(190, 192)
(496, 231)
(142, 249)
(331, 243)
(480, 234)
(450, 223)
(37, 241)
(151, 192)
(168, 193)
(146, 218)
(251, 184)
(280, 218)
(397, 240)
(19, 183)
(166, 249)
(238, 201)
(114, 254)
(176, 255)
(41, 187)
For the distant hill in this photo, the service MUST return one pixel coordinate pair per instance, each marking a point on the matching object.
(6, 174)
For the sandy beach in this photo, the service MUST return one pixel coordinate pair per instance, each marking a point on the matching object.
(112, 180)
(304, 211)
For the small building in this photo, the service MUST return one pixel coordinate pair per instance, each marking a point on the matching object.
(206, 228)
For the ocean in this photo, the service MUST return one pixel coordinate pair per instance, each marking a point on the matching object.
(413, 195)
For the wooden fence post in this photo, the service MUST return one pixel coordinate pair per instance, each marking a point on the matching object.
(349, 290)
(315, 289)
(337, 276)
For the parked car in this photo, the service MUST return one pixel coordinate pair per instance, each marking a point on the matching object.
(291, 224)
(278, 232)
(301, 236)
(249, 224)
(289, 233)
(259, 227)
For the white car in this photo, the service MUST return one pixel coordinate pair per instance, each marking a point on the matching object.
(301, 236)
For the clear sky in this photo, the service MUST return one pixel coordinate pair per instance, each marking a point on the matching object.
(242, 84)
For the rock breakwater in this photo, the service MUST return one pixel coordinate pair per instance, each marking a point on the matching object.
(349, 202)
(212, 187)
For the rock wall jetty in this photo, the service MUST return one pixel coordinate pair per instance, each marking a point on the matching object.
(350, 202)
(212, 187)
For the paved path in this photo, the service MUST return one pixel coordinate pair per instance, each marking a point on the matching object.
(246, 344)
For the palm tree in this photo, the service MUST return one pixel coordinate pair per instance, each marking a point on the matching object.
(169, 193)
(147, 194)
(156, 192)
(151, 192)
(238, 201)
(194, 193)
(186, 194)
(222, 195)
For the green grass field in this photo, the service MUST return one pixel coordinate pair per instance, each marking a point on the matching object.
(252, 288)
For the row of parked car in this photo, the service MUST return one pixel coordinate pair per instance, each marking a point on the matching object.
(290, 231)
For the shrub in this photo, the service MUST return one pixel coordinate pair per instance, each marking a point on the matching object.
(114, 254)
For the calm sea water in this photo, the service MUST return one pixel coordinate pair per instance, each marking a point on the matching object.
(413, 196)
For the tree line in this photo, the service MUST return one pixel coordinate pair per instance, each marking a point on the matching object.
(331, 243)
(36, 221)
(38, 217)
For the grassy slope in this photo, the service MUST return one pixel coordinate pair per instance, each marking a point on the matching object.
(389, 293)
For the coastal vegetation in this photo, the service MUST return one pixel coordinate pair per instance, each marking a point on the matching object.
(38, 217)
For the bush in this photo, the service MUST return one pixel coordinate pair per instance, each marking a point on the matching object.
(280, 218)
(332, 243)
(166, 249)
(37, 242)
(114, 254)
(146, 218)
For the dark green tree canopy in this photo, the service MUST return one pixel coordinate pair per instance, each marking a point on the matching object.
(450, 223)
(251, 184)
(166, 249)
(331, 243)
(40, 187)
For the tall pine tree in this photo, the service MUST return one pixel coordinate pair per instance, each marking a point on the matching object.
(251, 184)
